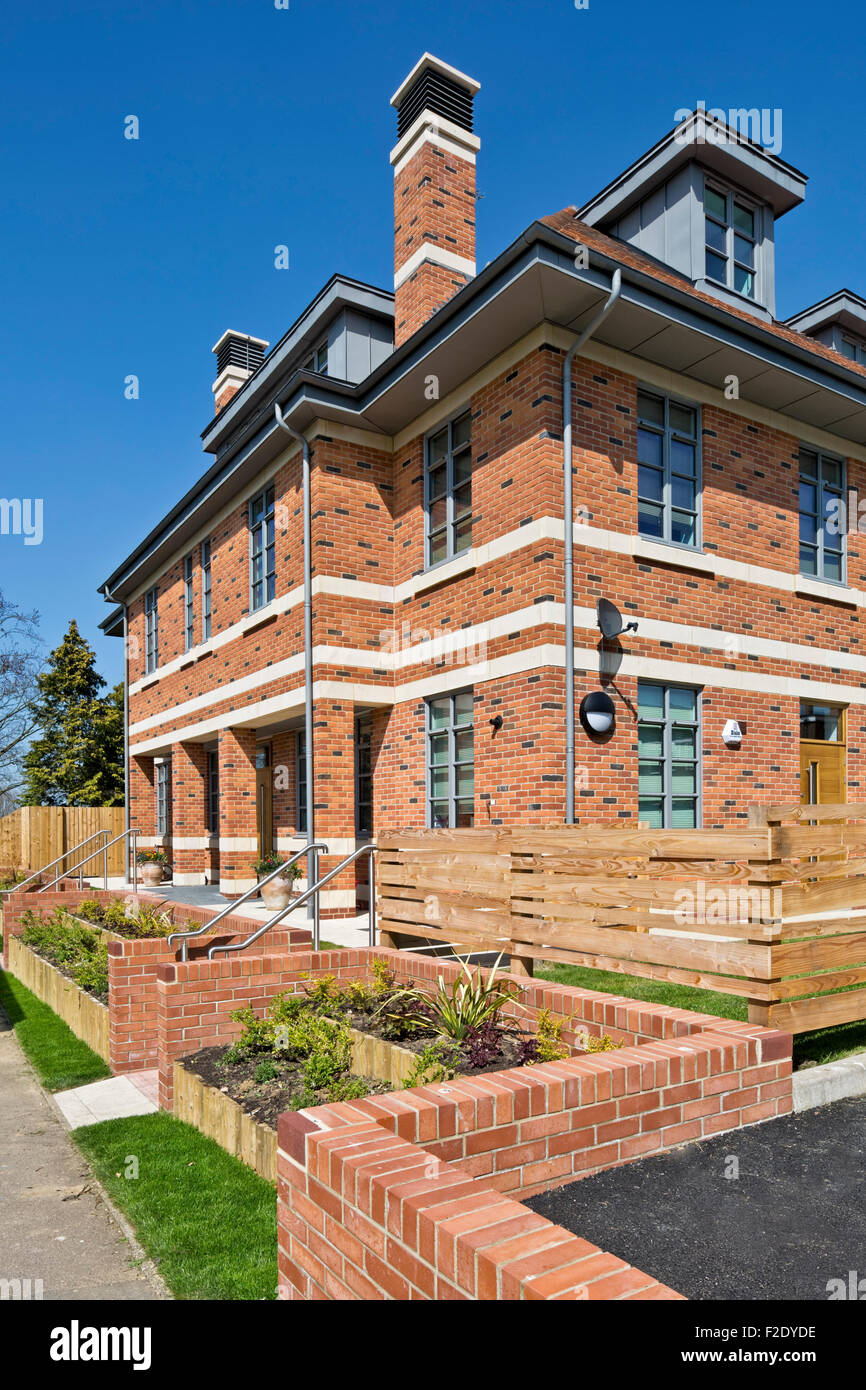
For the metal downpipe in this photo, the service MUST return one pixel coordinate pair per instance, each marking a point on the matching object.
(312, 865)
(568, 516)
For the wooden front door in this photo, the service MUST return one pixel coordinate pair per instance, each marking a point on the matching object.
(822, 755)
(264, 800)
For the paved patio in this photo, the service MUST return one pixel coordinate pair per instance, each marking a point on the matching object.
(134, 1093)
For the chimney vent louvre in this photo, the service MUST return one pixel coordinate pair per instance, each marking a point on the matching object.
(433, 91)
(238, 351)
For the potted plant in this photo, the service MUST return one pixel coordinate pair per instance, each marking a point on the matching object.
(279, 892)
(153, 863)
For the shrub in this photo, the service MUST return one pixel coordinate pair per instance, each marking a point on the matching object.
(79, 952)
(469, 1003)
(435, 1062)
(269, 862)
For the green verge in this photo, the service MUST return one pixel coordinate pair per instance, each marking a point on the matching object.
(61, 1059)
(824, 1045)
(208, 1221)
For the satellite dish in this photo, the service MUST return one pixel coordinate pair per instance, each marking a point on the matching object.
(610, 620)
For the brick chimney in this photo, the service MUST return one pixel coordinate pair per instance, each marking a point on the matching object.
(238, 355)
(434, 191)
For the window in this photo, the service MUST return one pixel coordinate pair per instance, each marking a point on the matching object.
(853, 348)
(151, 630)
(301, 782)
(668, 475)
(262, 567)
(363, 778)
(821, 723)
(205, 590)
(213, 792)
(451, 761)
(822, 526)
(731, 233)
(318, 360)
(188, 605)
(448, 490)
(163, 797)
(669, 766)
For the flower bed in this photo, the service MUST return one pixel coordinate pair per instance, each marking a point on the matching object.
(333, 1042)
(85, 1013)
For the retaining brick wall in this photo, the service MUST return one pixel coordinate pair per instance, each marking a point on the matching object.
(133, 964)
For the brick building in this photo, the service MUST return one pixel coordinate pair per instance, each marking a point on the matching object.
(716, 457)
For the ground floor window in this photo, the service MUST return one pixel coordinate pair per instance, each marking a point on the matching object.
(363, 778)
(669, 754)
(213, 793)
(163, 797)
(451, 761)
(301, 782)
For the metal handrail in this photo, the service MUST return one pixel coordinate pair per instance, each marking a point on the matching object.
(132, 835)
(250, 893)
(312, 891)
(39, 872)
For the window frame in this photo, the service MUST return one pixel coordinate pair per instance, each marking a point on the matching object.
(732, 195)
(260, 546)
(301, 782)
(162, 790)
(453, 730)
(451, 553)
(206, 590)
(668, 795)
(312, 361)
(212, 791)
(819, 515)
(188, 604)
(151, 629)
(668, 435)
(363, 742)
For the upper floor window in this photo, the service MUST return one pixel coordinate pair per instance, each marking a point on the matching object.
(853, 349)
(262, 561)
(188, 605)
(668, 469)
(318, 360)
(448, 489)
(822, 525)
(451, 761)
(151, 630)
(205, 590)
(731, 232)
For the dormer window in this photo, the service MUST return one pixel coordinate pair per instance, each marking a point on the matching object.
(731, 224)
(318, 360)
(852, 348)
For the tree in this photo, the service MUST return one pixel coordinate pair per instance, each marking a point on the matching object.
(20, 661)
(77, 757)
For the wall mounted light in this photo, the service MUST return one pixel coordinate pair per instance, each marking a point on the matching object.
(597, 712)
(497, 722)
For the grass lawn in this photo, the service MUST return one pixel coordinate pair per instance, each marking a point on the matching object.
(824, 1045)
(208, 1221)
(61, 1059)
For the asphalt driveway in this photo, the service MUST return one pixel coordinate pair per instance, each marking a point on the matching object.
(776, 1210)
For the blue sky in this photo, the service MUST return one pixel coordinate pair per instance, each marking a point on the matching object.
(261, 126)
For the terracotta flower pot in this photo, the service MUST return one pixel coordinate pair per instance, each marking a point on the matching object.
(277, 894)
(151, 874)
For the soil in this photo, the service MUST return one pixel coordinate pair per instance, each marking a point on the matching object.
(265, 1100)
(262, 1100)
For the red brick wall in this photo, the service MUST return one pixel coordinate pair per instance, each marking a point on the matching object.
(434, 203)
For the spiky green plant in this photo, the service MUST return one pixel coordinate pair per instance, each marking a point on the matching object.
(453, 1011)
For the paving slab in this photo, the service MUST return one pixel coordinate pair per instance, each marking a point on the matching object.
(775, 1210)
(112, 1099)
(54, 1224)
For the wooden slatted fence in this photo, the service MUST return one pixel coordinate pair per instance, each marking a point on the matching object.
(34, 835)
(770, 913)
